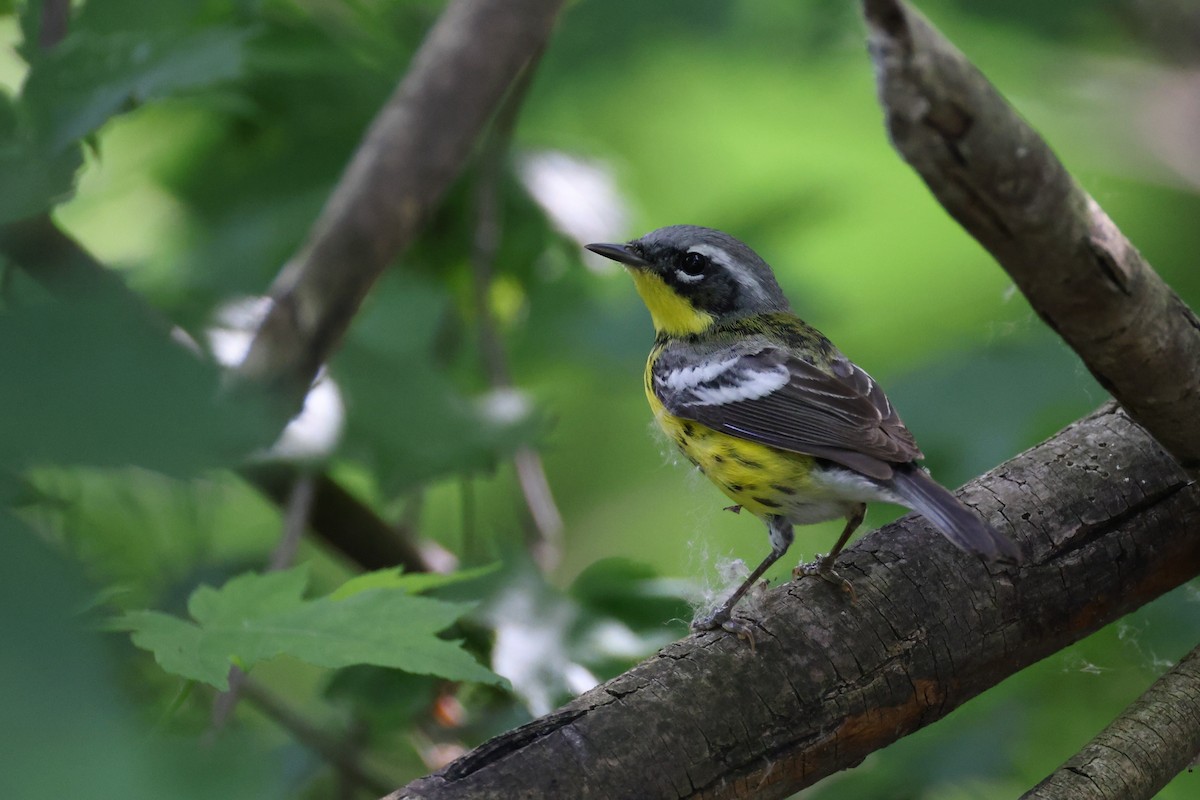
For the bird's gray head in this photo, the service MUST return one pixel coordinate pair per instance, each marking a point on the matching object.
(714, 275)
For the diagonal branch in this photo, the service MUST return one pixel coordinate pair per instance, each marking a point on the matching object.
(40, 248)
(832, 682)
(1152, 741)
(338, 751)
(414, 150)
(1003, 184)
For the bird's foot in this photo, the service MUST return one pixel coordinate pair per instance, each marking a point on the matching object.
(723, 619)
(823, 568)
(734, 509)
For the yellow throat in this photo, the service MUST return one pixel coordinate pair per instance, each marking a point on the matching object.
(671, 313)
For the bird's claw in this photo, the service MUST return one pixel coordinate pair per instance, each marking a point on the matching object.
(823, 568)
(724, 620)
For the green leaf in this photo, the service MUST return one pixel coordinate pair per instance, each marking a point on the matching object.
(413, 582)
(408, 421)
(256, 617)
(96, 383)
(33, 178)
(90, 76)
(72, 700)
(631, 592)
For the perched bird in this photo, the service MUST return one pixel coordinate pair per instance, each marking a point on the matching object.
(767, 407)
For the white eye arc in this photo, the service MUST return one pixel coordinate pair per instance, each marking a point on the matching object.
(687, 277)
(738, 272)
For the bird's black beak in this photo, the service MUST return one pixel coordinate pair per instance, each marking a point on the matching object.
(619, 253)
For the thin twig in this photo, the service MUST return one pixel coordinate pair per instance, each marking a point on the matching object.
(546, 541)
(295, 522)
(543, 510)
(332, 749)
(345, 523)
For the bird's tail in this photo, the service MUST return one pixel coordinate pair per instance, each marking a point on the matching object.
(959, 524)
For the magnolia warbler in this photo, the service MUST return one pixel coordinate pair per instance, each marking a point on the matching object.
(769, 410)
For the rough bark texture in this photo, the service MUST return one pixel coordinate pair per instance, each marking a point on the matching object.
(414, 150)
(1152, 741)
(1099, 507)
(1003, 184)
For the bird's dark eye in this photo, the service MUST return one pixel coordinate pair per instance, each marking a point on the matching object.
(694, 263)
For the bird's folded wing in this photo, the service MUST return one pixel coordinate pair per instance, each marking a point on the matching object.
(773, 397)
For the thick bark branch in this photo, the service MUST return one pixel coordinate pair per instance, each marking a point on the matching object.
(1152, 741)
(1099, 507)
(414, 150)
(1000, 181)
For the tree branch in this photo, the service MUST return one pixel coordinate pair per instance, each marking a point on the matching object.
(1152, 741)
(343, 757)
(343, 521)
(832, 681)
(346, 524)
(414, 149)
(546, 536)
(56, 16)
(1003, 184)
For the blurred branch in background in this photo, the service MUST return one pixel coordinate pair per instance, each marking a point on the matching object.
(1168, 114)
(1173, 26)
(345, 523)
(929, 631)
(1153, 740)
(55, 16)
(546, 541)
(334, 749)
(998, 178)
(412, 152)
(58, 263)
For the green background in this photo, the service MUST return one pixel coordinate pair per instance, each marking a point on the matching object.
(211, 135)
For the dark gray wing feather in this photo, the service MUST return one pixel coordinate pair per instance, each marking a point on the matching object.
(959, 524)
(765, 394)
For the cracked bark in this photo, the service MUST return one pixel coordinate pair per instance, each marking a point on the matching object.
(1097, 506)
(1147, 745)
(993, 173)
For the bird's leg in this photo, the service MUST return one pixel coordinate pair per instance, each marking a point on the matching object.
(780, 531)
(823, 566)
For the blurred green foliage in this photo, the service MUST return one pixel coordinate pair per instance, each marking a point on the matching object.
(189, 145)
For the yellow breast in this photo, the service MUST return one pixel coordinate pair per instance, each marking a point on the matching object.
(759, 478)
